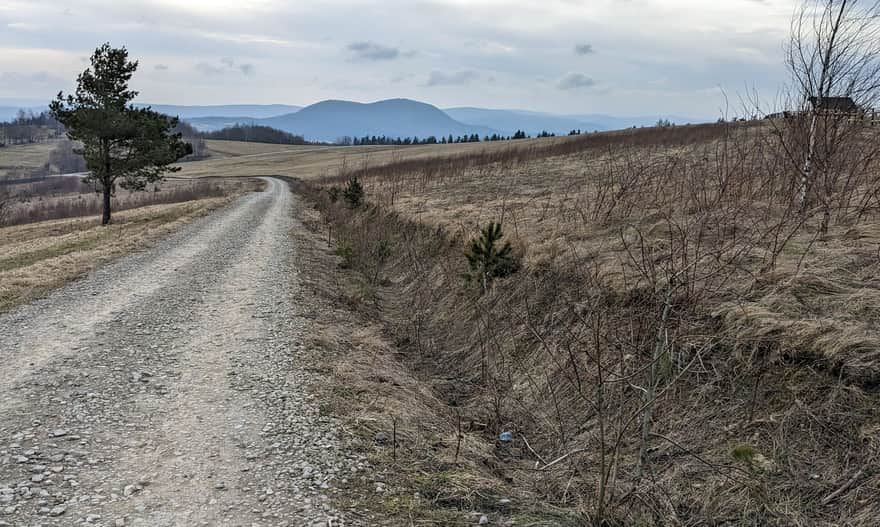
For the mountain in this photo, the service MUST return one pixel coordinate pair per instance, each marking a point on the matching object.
(237, 111)
(330, 120)
(333, 119)
(533, 123)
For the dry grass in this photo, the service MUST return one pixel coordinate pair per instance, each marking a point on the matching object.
(65, 197)
(26, 157)
(767, 368)
(220, 149)
(550, 209)
(428, 477)
(311, 162)
(38, 257)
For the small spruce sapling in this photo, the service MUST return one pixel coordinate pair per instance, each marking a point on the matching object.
(488, 259)
(354, 193)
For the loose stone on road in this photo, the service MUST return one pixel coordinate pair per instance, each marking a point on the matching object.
(170, 389)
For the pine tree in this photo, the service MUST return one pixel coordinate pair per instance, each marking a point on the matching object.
(353, 193)
(123, 145)
(488, 260)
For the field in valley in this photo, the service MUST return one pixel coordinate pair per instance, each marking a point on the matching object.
(19, 158)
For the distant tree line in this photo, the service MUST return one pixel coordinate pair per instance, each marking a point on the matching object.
(29, 128)
(433, 140)
(257, 134)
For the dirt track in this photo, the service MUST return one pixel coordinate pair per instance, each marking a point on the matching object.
(170, 388)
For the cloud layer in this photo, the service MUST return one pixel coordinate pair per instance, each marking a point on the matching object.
(583, 49)
(638, 56)
(574, 81)
(440, 78)
(372, 51)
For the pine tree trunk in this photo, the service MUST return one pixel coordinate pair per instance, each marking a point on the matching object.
(106, 181)
(105, 219)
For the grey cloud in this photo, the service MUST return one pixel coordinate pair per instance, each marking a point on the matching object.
(574, 81)
(584, 49)
(227, 64)
(208, 69)
(439, 78)
(160, 67)
(372, 51)
(400, 78)
(14, 79)
(513, 49)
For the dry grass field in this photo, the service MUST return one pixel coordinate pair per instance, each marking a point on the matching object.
(38, 257)
(220, 149)
(681, 345)
(232, 158)
(27, 157)
(52, 231)
(60, 197)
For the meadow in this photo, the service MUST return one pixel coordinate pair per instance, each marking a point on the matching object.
(681, 343)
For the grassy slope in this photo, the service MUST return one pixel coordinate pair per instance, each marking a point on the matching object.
(24, 156)
(774, 404)
(310, 162)
(39, 257)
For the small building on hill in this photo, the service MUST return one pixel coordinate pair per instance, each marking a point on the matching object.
(835, 104)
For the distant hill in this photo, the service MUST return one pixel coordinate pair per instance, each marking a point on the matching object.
(330, 120)
(237, 111)
(533, 123)
(333, 119)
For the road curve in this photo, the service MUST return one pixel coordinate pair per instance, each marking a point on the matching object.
(166, 389)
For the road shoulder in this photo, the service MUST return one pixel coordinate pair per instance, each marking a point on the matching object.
(420, 472)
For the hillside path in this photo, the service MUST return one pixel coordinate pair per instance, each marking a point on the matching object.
(170, 388)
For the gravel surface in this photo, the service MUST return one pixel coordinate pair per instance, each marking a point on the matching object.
(170, 388)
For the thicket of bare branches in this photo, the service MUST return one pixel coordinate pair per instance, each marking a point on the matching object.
(833, 57)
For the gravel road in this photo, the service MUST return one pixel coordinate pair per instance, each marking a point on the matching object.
(170, 388)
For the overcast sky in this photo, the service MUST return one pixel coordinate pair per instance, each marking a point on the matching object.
(623, 57)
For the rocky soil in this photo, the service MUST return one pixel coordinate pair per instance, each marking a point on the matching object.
(171, 388)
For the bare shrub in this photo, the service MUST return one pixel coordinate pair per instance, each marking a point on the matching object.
(65, 160)
(5, 205)
(834, 61)
(598, 358)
